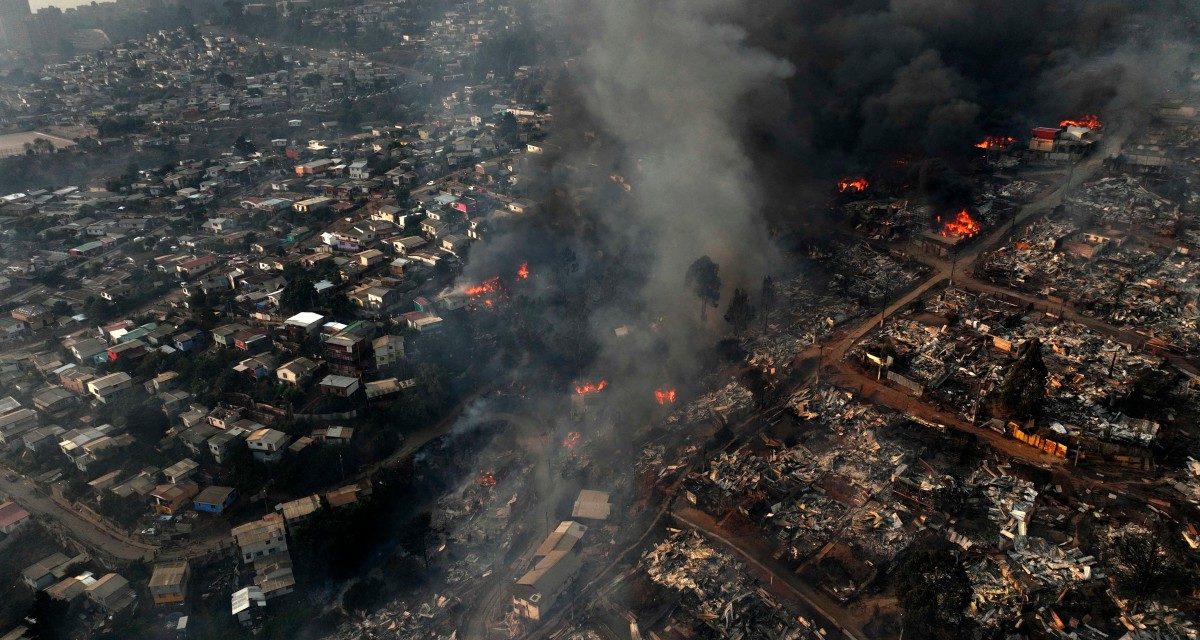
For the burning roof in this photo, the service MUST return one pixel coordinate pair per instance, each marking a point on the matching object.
(664, 396)
(962, 225)
(1089, 121)
(590, 387)
(491, 285)
(853, 185)
(995, 142)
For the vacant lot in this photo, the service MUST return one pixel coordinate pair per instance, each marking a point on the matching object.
(13, 144)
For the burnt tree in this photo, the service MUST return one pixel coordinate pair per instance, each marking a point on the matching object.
(703, 276)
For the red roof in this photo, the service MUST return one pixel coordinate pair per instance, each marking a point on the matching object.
(11, 513)
(1045, 133)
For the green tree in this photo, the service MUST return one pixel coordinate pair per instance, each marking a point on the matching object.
(300, 294)
(1024, 387)
(243, 145)
(703, 276)
(225, 80)
(312, 80)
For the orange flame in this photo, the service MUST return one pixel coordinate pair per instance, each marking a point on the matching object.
(523, 271)
(962, 225)
(853, 185)
(1091, 121)
(664, 396)
(572, 439)
(486, 479)
(590, 388)
(995, 142)
(487, 286)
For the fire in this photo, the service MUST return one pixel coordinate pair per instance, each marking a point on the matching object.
(490, 285)
(995, 142)
(572, 439)
(590, 388)
(962, 225)
(664, 396)
(853, 185)
(1091, 121)
(486, 479)
(523, 271)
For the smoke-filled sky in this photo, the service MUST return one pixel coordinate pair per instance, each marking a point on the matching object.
(61, 4)
(724, 114)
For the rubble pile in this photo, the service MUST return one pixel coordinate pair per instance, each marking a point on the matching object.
(995, 601)
(869, 275)
(960, 364)
(1051, 565)
(731, 402)
(431, 619)
(1123, 200)
(1160, 623)
(717, 593)
(1010, 501)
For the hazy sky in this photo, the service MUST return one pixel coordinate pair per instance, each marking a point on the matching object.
(38, 4)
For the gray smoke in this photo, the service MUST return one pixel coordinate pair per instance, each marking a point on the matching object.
(667, 81)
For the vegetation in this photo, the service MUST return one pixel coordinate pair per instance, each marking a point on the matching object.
(1024, 387)
(934, 591)
(703, 276)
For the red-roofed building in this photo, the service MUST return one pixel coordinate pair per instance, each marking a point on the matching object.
(12, 517)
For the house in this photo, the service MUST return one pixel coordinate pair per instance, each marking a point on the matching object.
(536, 591)
(407, 244)
(170, 499)
(343, 386)
(592, 505)
(190, 340)
(298, 510)
(268, 445)
(16, 424)
(181, 471)
(248, 604)
(304, 324)
(263, 538)
(168, 582)
(50, 569)
(131, 350)
(110, 387)
(333, 435)
(12, 517)
(370, 258)
(387, 386)
(196, 437)
(53, 400)
(75, 380)
(348, 352)
(389, 350)
(565, 537)
(275, 577)
(87, 349)
(312, 205)
(257, 367)
(251, 340)
(35, 316)
(214, 499)
(221, 444)
(375, 298)
(358, 170)
(298, 372)
(111, 593)
(42, 437)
